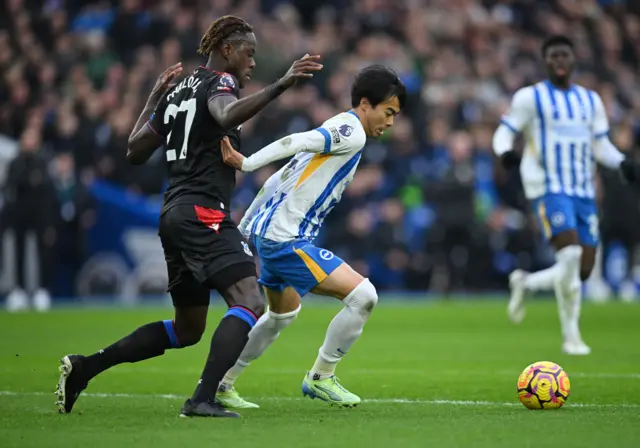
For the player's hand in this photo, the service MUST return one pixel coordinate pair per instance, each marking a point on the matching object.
(164, 81)
(230, 156)
(630, 171)
(510, 159)
(300, 69)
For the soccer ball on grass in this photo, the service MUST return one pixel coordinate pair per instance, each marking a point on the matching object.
(543, 385)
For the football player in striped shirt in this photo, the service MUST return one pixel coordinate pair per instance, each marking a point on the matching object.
(286, 216)
(565, 130)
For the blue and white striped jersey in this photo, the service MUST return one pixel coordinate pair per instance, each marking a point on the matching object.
(294, 202)
(561, 129)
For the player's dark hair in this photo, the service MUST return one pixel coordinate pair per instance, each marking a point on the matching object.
(220, 30)
(377, 83)
(555, 40)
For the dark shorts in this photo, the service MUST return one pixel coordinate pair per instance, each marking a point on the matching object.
(204, 250)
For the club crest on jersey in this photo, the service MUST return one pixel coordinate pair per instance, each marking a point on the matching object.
(326, 254)
(226, 82)
(346, 130)
(335, 136)
(558, 219)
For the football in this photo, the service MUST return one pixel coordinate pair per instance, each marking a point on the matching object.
(543, 385)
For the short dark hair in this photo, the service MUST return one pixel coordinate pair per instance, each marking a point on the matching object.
(377, 83)
(555, 40)
(221, 29)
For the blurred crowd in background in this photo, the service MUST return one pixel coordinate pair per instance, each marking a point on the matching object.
(429, 208)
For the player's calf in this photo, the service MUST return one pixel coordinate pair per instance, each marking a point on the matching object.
(568, 262)
(261, 336)
(345, 328)
(148, 341)
(229, 339)
(284, 307)
(342, 333)
(568, 292)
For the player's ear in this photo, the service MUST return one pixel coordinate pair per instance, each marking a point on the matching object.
(365, 104)
(226, 50)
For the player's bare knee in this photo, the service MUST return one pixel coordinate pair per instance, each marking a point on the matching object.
(364, 297)
(585, 273)
(587, 262)
(256, 305)
(190, 324)
(189, 335)
(190, 338)
(565, 239)
(245, 293)
(282, 302)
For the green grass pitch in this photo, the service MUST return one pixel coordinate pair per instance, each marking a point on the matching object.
(433, 374)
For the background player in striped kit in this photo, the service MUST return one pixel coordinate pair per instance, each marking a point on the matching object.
(565, 129)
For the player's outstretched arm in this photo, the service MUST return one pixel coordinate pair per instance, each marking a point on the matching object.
(519, 115)
(144, 140)
(230, 112)
(311, 141)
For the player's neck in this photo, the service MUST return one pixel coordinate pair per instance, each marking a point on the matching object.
(358, 113)
(560, 85)
(216, 63)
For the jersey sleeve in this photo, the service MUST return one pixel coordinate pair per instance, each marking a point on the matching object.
(521, 112)
(336, 138)
(600, 120)
(324, 140)
(223, 84)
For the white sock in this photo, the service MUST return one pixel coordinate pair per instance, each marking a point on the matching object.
(541, 280)
(567, 289)
(263, 333)
(574, 307)
(345, 329)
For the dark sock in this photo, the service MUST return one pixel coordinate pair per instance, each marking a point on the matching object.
(227, 343)
(146, 342)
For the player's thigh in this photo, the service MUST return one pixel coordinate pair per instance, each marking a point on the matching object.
(186, 292)
(282, 301)
(190, 323)
(245, 293)
(339, 283)
(558, 220)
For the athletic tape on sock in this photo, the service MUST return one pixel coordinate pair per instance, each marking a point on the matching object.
(170, 328)
(243, 314)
